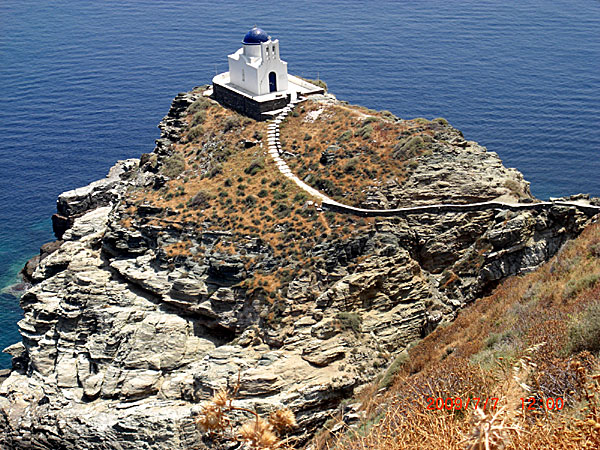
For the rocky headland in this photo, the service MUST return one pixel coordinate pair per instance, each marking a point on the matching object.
(200, 263)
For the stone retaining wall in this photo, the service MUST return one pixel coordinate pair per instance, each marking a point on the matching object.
(452, 208)
(247, 106)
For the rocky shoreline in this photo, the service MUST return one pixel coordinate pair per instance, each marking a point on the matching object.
(121, 343)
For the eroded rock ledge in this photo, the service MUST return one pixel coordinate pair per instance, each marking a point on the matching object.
(121, 343)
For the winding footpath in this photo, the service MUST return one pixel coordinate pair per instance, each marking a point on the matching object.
(274, 149)
(275, 152)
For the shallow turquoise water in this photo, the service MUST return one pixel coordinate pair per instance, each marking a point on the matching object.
(83, 84)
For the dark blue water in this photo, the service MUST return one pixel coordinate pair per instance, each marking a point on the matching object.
(84, 83)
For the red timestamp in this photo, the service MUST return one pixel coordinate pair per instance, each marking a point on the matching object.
(458, 403)
(550, 403)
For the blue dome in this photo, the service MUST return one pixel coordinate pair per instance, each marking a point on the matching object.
(255, 36)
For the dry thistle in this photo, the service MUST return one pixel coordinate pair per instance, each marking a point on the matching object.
(221, 398)
(282, 420)
(258, 433)
(212, 418)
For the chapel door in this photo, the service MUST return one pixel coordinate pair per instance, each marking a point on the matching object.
(272, 82)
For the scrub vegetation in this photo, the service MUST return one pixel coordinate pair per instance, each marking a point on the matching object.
(534, 341)
(354, 147)
(221, 179)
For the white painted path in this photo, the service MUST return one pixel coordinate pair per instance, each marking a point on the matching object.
(275, 150)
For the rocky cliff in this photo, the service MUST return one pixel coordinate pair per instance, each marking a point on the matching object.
(199, 263)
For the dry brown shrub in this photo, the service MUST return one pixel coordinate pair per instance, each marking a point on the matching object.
(403, 423)
(216, 418)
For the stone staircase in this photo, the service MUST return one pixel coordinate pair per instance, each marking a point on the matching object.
(274, 148)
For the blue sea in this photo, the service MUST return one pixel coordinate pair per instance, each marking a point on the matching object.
(83, 84)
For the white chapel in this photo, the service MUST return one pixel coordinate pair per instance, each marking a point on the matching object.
(257, 83)
(256, 67)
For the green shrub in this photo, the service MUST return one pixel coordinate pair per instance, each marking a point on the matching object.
(326, 185)
(369, 173)
(498, 339)
(307, 137)
(214, 171)
(345, 136)
(388, 114)
(173, 165)
(231, 123)
(278, 195)
(408, 148)
(574, 287)
(255, 166)
(350, 165)
(506, 345)
(282, 210)
(263, 193)
(250, 201)
(198, 119)
(441, 121)
(195, 133)
(421, 121)
(349, 321)
(319, 83)
(584, 330)
(394, 368)
(221, 153)
(199, 105)
(200, 200)
(364, 131)
(300, 197)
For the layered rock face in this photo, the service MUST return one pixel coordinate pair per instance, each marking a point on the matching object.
(121, 344)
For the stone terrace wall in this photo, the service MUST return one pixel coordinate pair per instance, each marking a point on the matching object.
(247, 106)
(453, 208)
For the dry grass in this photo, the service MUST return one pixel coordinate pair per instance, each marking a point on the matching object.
(515, 345)
(366, 147)
(222, 184)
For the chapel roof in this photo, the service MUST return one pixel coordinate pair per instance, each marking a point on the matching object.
(255, 36)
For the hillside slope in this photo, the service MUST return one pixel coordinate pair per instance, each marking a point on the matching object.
(530, 351)
(201, 264)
